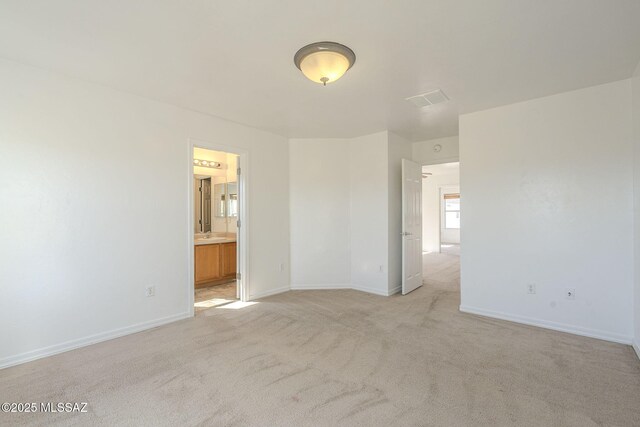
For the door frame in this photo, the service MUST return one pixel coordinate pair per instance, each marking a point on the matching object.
(242, 251)
(433, 162)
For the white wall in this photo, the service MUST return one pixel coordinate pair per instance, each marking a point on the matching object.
(636, 180)
(320, 212)
(80, 166)
(547, 190)
(342, 214)
(423, 151)
(399, 148)
(369, 220)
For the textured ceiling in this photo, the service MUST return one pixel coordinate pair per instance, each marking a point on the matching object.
(234, 59)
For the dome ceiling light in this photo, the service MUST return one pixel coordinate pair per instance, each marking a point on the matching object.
(324, 62)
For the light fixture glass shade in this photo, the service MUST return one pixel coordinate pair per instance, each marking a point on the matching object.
(324, 67)
(207, 164)
(324, 62)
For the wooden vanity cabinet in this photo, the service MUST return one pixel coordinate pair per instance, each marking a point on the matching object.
(214, 263)
(228, 259)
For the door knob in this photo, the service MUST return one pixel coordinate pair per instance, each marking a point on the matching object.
(405, 234)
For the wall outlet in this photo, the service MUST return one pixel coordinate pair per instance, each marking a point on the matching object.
(531, 288)
(150, 291)
(570, 293)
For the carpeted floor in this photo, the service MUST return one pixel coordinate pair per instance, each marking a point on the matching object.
(450, 248)
(325, 358)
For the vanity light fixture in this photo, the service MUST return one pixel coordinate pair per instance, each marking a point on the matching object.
(207, 164)
(324, 62)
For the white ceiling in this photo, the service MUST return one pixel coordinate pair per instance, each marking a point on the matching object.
(234, 59)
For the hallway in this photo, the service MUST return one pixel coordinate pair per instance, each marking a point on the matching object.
(441, 271)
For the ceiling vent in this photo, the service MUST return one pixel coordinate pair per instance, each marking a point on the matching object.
(428, 99)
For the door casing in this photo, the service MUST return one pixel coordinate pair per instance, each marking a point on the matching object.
(242, 238)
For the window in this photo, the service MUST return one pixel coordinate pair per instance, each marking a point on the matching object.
(452, 210)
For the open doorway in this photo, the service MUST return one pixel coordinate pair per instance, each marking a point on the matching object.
(450, 219)
(441, 220)
(441, 208)
(216, 219)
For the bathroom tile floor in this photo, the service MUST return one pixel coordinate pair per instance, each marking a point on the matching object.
(214, 296)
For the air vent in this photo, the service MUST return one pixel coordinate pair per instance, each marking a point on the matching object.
(428, 99)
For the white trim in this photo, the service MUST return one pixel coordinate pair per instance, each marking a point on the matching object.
(395, 290)
(243, 217)
(270, 292)
(371, 291)
(432, 162)
(88, 340)
(636, 347)
(317, 287)
(562, 327)
(321, 287)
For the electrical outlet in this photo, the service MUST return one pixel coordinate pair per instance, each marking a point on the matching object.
(150, 291)
(531, 288)
(570, 293)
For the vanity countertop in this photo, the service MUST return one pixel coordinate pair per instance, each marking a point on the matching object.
(213, 240)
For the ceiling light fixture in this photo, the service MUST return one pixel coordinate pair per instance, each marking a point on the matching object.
(324, 62)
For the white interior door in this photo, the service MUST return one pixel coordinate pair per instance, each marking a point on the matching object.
(411, 226)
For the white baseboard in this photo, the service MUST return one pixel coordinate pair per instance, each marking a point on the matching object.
(395, 290)
(270, 292)
(85, 341)
(370, 291)
(591, 333)
(317, 287)
(636, 347)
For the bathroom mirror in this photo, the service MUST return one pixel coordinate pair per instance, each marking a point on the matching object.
(214, 200)
(220, 197)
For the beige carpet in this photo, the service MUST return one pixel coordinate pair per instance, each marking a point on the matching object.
(324, 358)
(450, 248)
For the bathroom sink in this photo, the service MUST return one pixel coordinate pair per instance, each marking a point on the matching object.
(211, 239)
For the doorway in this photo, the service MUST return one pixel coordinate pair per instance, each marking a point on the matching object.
(217, 232)
(450, 219)
(441, 208)
(441, 219)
